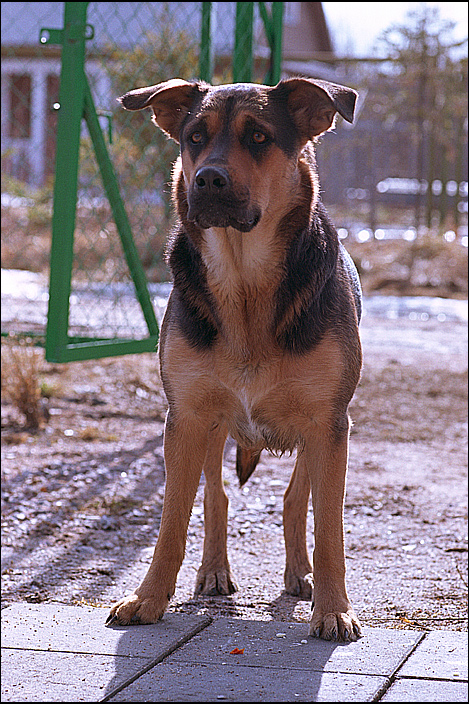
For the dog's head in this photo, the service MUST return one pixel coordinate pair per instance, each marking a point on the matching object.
(240, 143)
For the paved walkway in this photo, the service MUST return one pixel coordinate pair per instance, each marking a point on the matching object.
(53, 652)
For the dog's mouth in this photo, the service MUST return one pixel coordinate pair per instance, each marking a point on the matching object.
(207, 215)
(214, 202)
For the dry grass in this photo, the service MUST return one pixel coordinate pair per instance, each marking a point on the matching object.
(21, 363)
(429, 266)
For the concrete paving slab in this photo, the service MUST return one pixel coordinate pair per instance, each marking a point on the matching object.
(54, 652)
(81, 629)
(279, 662)
(38, 676)
(406, 690)
(441, 655)
(184, 682)
(52, 648)
(287, 646)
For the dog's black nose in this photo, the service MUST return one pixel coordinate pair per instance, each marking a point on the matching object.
(211, 179)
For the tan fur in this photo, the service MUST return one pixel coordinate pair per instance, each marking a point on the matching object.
(245, 383)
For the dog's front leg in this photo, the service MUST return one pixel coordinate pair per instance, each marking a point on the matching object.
(333, 617)
(185, 447)
(214, 575)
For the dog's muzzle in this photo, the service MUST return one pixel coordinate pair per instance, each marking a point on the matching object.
(214, 203)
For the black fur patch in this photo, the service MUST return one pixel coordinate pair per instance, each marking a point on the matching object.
(194, 309)
(310, 287)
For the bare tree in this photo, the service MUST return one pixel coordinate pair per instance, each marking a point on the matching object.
(429, 78)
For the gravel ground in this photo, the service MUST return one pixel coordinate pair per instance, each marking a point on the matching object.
(82, 497)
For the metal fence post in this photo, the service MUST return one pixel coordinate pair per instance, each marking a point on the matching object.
(276, 43)
(71, 101)
(242, 57)
(76, 103)
(273, 25)
(206, 53)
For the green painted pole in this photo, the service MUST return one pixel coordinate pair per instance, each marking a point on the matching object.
(78, 351)
(71, 101)
(242, 57)
(273, 26)
(120, 216)
(206, 54)
(276, 46)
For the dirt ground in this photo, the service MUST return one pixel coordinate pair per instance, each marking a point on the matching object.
(82, 497)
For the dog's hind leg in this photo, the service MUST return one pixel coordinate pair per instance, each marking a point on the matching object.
(298, 571)
(185, 448)
(214, 575)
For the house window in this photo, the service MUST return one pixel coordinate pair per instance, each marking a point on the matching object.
(20, 106)
(292, 13)
(52, 96)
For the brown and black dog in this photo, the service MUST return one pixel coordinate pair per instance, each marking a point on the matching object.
(260, 337)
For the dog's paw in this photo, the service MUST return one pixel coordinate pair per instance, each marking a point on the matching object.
(215, 583)
(135, 609)
(340, 626)
(298, 585)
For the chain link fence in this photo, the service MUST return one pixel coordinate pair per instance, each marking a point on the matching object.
(387, 175)
(130, 44)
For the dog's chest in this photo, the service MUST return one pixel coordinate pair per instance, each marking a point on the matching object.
(242, 277)
(242, 271)
(274, 399)
(258, 403)
(248, 423)
(245, 426)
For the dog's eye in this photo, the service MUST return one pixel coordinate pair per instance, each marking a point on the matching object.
(258, 137)
(196, 138)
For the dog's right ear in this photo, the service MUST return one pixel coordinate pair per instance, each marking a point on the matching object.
(170, 102)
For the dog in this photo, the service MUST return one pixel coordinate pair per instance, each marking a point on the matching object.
(260, 338)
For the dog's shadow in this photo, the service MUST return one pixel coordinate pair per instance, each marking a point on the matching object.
(283, 607)
(157, 677)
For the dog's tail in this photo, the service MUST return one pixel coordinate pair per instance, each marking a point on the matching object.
(246, 462)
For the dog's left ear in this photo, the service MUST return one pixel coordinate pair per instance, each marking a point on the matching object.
(314, 103)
